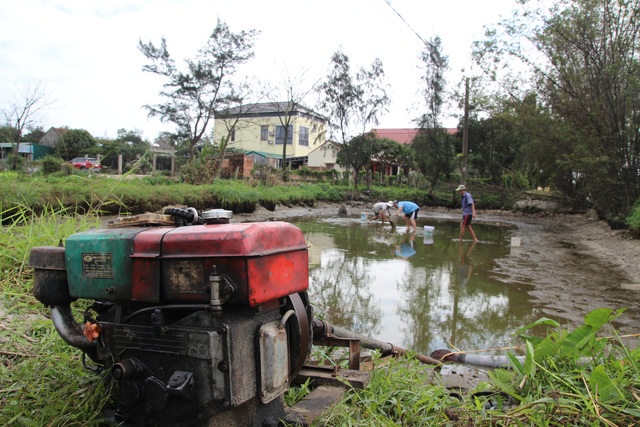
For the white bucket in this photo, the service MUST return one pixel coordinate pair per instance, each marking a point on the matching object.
(428, 234)
(363, 216)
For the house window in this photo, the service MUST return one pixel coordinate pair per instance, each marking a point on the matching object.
(264, 133)
(280, 135)
(303, 136)
(233, 135)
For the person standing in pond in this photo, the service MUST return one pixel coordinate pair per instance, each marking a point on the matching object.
(410, 211)
(468, 212)
(381, 210)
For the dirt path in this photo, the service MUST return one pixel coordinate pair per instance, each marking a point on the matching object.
(574, 263)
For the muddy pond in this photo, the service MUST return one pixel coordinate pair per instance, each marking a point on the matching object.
(422, 291)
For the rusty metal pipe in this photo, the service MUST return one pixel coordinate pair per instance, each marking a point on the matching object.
(325, 329)
(72, 332)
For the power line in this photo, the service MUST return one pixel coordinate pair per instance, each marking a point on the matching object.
(406, 23)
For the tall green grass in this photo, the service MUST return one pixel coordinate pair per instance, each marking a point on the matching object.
(42, 382)
(95, 193)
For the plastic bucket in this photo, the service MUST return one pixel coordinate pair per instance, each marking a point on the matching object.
(363, 216)
(428, 229)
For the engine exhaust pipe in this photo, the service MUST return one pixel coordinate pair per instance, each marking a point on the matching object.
(50, 287)
(71, 331)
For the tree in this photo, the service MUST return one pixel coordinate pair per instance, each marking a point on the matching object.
(34, 134)
(193, 96)
(390, 153)
(432, 144)
(230, 119)
(168, 138)
(585, 72)
(23, 113)
(8, 133)
(357, 154)
(285, 101)
(75, 143)
(352, 103)
(128, 143)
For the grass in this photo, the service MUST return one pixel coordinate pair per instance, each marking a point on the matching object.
(577, 378)
(94, 193)
(42, 381)
(88, 192)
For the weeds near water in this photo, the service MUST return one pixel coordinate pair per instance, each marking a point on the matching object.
(573, 378)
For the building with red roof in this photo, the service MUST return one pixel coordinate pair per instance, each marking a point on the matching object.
(403, 136)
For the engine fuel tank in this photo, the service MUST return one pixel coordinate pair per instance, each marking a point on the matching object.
(263, 261)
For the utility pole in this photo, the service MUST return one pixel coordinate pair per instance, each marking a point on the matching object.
(465, 134)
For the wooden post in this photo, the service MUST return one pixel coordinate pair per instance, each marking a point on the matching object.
(465, 134)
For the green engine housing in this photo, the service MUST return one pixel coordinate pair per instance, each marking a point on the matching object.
(99, 264)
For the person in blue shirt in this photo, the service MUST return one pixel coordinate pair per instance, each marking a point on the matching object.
(410, 211)
(468, 212)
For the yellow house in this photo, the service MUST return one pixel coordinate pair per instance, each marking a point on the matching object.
(259, 129)
(325, 157)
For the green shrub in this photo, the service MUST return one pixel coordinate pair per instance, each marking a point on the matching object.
(633, 220)
(67, 168)
(51, 164)
(515, 181)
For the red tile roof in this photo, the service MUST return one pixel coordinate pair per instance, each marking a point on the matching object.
(403, 136)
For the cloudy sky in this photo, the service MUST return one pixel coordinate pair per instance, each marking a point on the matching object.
(86, 51)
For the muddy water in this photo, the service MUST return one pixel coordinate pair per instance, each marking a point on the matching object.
(423, 291)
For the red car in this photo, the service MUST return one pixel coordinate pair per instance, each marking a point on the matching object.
(85, 163)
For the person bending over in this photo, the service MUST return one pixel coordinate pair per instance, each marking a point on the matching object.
(381, 210)
(410, 211)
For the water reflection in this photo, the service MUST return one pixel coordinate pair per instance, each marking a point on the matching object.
(420, 291)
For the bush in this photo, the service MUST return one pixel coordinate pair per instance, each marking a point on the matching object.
(633, 220)
(515, 181)
(51, 164)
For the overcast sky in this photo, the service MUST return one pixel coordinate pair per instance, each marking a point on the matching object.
(86, 51)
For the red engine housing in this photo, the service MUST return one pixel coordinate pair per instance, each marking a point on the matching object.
(266, 261)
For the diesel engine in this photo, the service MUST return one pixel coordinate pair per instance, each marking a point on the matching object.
(193, 319)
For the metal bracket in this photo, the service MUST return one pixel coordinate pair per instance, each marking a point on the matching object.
(222, 288)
